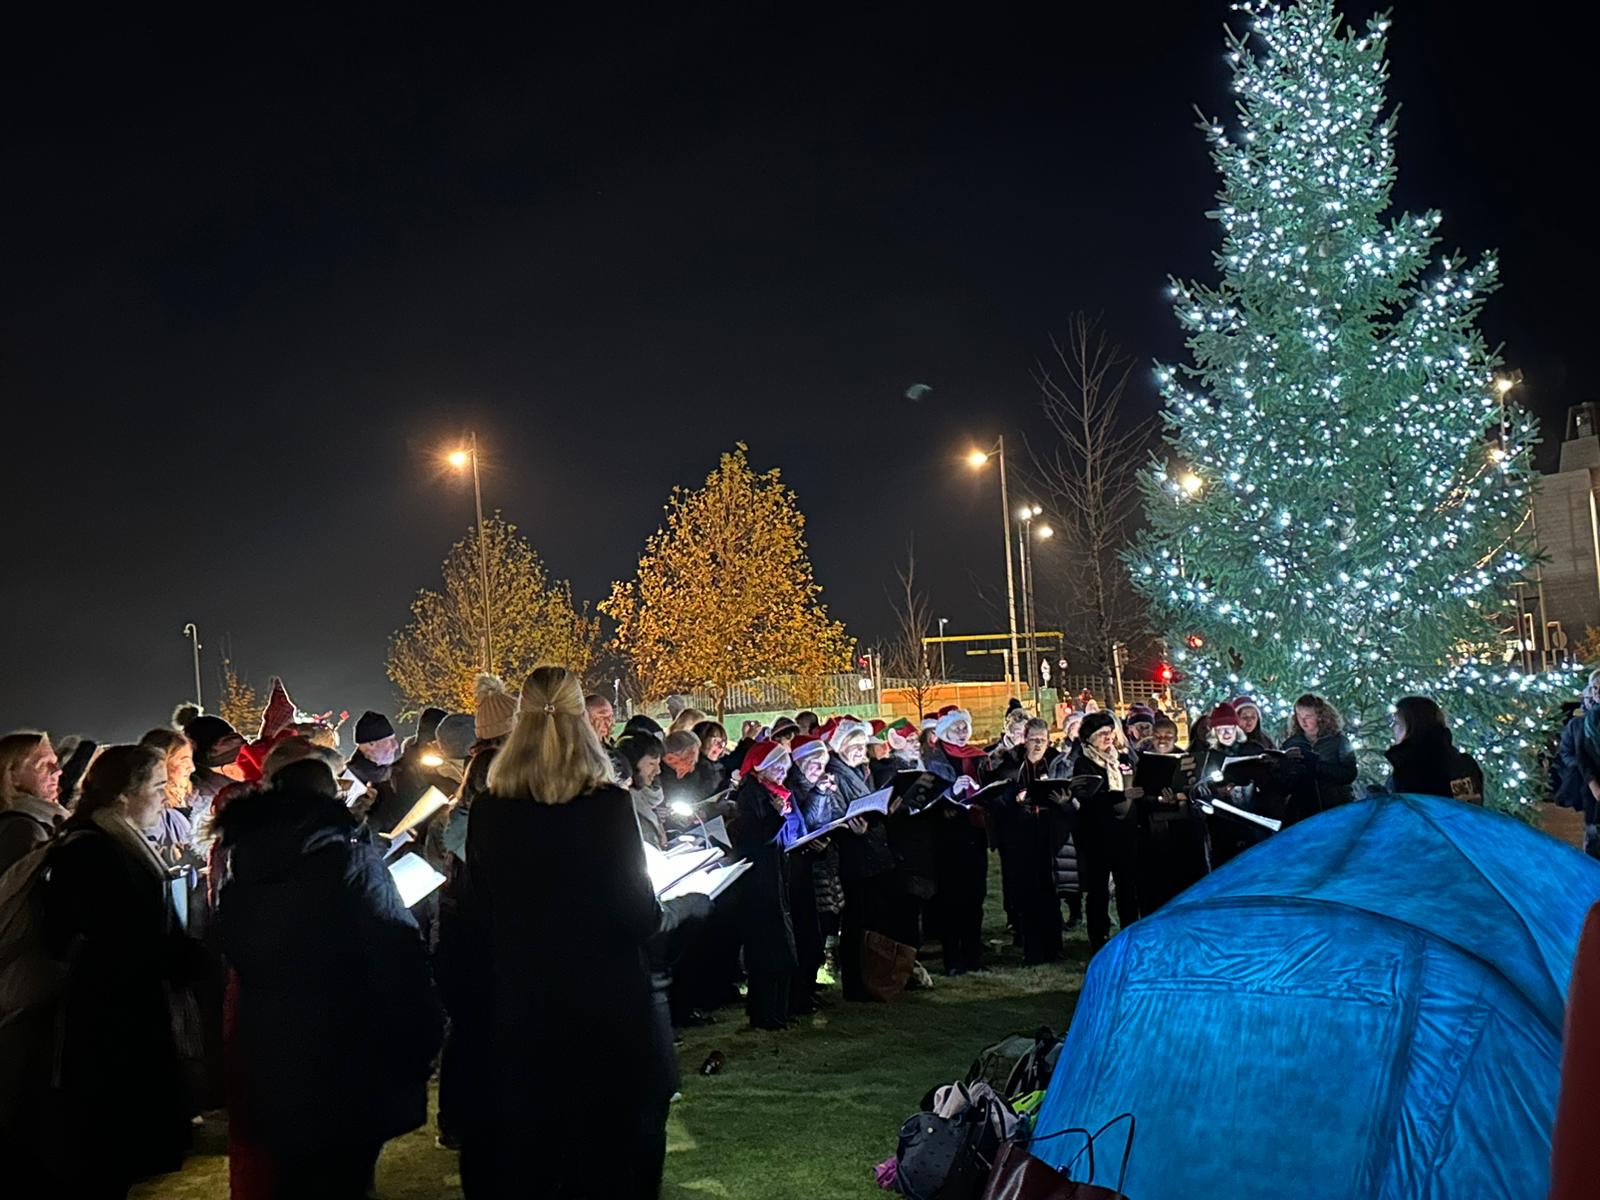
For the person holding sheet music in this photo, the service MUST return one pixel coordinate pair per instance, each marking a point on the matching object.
(764, 810)
(562, 1048)
(962, 846)
(866, 861)
(1108, 831)
(372, 764)
(642, 754)
(1322, 762)
(1031, 829)
(334, 1023)
(810, 866)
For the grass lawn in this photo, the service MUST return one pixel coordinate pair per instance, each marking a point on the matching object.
(792, 1116)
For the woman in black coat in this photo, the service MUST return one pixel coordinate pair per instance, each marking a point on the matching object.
(873, 903)
(1108, 829)
(962, 844)
(1033, 830)
(568, 1072)
(336, 1025)
(122, 1109)
(1424, 760)
(762, 805)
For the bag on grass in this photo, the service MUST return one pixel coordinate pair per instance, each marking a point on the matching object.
(1033, 1070)
(1017, 1175)
(1019, 1063)
(945, 1152)
(886, 966)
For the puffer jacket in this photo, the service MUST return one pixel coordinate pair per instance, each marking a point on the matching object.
(1066, 864)
(1324, 777)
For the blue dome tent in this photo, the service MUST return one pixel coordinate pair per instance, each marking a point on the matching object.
(1368, 1004)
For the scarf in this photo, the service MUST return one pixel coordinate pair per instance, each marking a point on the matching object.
(1111, 766)
(779, 791)
(132, 840)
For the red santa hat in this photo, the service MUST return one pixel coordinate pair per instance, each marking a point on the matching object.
(949, 718)
(1223, 714)
(763, 756)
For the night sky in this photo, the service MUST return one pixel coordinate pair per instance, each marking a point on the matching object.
(256, 276)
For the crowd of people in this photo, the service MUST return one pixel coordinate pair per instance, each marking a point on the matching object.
(207, 918)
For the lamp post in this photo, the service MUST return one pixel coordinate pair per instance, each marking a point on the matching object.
(976, 459)
(1025, 516)
(458, 460)
(192, 632)
(944, 676)
(1043, 533)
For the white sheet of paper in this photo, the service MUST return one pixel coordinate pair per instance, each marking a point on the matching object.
(430, 802)
(1257, 818)
(717, 831)
(666, 870)
(875, 802)
(414, 877)
(711, 882)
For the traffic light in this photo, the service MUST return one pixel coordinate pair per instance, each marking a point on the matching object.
(1164, 673)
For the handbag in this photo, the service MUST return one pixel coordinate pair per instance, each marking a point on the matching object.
(885, 966)
(1018, 1175)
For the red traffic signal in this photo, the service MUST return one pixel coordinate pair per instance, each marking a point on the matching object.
(1164, 673)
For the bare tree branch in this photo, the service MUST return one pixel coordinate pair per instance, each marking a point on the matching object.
(906, 657)
(1089, 473)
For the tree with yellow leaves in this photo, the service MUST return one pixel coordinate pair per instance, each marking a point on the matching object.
(435, 658)
(240, 703)
(724, 591)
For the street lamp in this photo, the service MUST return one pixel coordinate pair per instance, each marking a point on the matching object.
(1025, 517)
(976, 459)
(192, 632)
(943, 676)
(459, 459)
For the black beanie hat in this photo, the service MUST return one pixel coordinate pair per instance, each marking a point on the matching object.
(204, 732)
(1095, 722)
(428, 723)
(373, 727)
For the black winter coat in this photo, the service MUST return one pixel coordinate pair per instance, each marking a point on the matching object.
(1428, 764)
(337, 1024)
(867, 855)
(764, 891)
(1323, 776)
(556, 915)
(123, 1110)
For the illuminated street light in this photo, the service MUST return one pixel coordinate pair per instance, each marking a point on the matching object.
(459, 459)
(975, 460)
(1046, 532)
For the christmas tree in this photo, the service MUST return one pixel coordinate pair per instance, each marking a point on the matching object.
(1343, 509)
